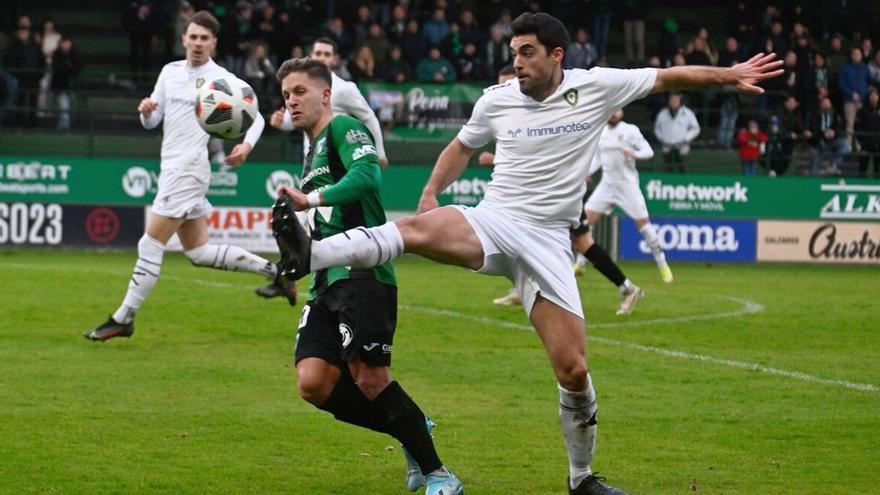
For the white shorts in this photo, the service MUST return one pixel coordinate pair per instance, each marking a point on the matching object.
(627, 196)
(181, 194)
(537, 259)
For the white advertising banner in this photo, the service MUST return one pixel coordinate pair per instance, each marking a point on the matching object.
(819, 242)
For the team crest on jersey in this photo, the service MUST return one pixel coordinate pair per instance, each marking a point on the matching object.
(571, 96)
(199, 82)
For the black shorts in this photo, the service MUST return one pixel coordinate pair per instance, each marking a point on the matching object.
(352, 318)
(583, 225)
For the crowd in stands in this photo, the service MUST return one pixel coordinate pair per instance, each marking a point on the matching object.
(826, 102)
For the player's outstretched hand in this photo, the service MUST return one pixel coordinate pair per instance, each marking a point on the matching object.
(277, 118)
(427, 203)
(298, 199)
(147, 106)
(238, 155)
(756, 70)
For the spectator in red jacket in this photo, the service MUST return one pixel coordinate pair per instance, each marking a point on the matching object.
(751, 145)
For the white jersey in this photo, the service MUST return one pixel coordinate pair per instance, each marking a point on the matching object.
(184, 143)
(617, 168)
(544, 149)
(346, 99)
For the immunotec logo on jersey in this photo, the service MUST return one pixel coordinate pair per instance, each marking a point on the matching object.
(692, 239)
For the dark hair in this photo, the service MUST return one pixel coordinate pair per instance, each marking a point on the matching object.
(314, 68)
(549, 31)
(507, 70)
(206, 20)
(327, 41)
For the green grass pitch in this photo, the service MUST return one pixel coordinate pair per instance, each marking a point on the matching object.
(737, 379)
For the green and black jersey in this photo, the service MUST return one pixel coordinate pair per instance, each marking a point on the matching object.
(343, 166)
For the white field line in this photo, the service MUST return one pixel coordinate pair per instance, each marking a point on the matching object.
(747, 307)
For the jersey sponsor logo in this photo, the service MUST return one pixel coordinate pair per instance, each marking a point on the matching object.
(857, 202)
(314, 173)
(277, 179)
(138, 181)
(514, 133)
(367, 149)
(357, 136)
(199, 82)
(369, 347)
(345, 332)
(569, 128)
(571, 96)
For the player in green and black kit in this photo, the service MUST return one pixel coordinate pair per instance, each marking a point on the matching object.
(343, 350)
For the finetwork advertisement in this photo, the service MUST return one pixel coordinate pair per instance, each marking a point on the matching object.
(819, 242)
(690, 239)
(247, 228)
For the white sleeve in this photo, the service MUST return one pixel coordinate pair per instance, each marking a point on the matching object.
(256, 130)
(595, 165)
(622, 86)
(693, 129)
(477, 132)
(639, 144)
(356, 106)
(286, 121)
(158, 95)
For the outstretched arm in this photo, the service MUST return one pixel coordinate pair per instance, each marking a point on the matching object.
(449, 167)
(745, 76)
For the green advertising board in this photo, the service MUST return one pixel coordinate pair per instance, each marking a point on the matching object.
(761, 197)
(134, 182)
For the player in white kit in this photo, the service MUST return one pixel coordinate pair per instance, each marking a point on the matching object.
(546, 124)
(620, 146)
(180, 205)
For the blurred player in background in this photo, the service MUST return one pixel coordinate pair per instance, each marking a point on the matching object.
(546, 125)
(346, 332)
(181, 206)
(620, 146)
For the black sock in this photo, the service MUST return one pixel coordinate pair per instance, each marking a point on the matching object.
(406, 422)
(606, 266)
(349, 404)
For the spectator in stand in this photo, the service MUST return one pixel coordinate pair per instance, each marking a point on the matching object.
(827, 136)
(436, 28)
(470, 31)
(731, 54)
(378, 43)
(362, 23)
(269, 28)
(601, 25)
(25, 62)
(237, 37)
(258, 71)
(668, 47)
(140, 23)
(435, 68)
(707, 46)
(790, 76)
(697, 53)
(468, 66)
(676, 127)
(452, 45)
(503, 23)
(336, 32)
(362, 66)
(729, 99)
(854, 79)
(283, 39)
(185, 12)
(48, 38)
(779, 39)
(835, 58)
(752, 142)
(397, 69)
(867, 128)
(397, 25)
(497, 52)
(874, 70)
(65, 67)
(867, 47)
(581, 54)
(784, 135)
(633, 16)
(414, 45)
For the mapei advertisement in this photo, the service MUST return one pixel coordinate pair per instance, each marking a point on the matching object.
(689, 239)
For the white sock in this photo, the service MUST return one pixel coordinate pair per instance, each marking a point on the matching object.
(360, 247)
(580, 259)
(577, 415)
(625, 287)
(143, 278)
(649, 233)
(228, 257)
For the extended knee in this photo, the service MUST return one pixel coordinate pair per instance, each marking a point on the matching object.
(572, 375)
(202, 255)
(313, 390)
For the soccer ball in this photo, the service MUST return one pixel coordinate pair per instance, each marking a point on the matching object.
(226, 107)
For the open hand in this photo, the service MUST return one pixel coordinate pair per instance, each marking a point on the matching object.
(756, 70)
